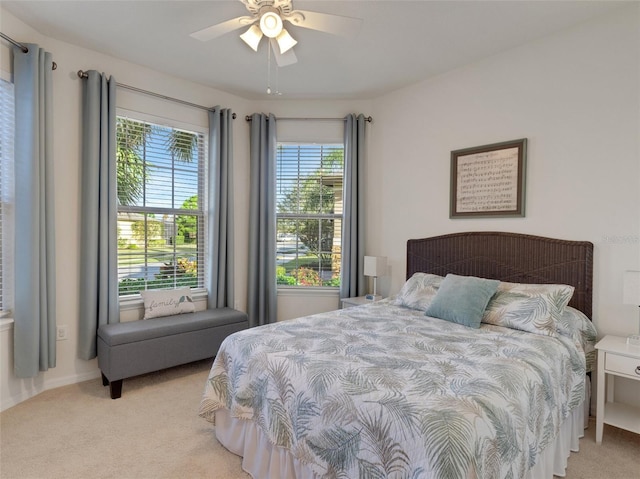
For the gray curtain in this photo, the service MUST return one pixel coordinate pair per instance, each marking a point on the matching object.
(220, 209)
(262, 289)
(353, 282)
(35, 275)
(98, 254)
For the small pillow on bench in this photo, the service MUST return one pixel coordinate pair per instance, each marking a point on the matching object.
(167, 302)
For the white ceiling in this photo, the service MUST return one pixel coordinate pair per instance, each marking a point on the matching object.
(400, 42)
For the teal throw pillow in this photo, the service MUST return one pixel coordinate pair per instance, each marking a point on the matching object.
(462, 299)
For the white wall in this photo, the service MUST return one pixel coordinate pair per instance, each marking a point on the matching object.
(66, 150)
(575, 96)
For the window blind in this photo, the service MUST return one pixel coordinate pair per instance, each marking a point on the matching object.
(7, 201)
(309, 184)
(161, 215)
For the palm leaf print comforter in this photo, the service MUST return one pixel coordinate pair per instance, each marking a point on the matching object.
(384, 391)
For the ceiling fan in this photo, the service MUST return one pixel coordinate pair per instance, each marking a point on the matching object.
(267, 19)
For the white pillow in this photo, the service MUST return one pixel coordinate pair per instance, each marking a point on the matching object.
(419, 291)
(167, 302)
(535, 308)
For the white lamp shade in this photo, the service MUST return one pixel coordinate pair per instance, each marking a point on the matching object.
(271, 24)
(631, 288)
(285, 41)
(375, 265)
(252, 37)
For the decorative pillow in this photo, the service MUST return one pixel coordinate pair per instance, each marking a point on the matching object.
(535, 308)
(166, 302)
(418, 291)
(462, 299)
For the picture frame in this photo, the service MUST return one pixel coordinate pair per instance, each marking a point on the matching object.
(489, 180)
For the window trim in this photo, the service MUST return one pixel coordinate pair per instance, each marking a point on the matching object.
(321, 291)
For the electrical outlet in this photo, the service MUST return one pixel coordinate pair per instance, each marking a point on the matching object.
(62, 333)
(236, 304)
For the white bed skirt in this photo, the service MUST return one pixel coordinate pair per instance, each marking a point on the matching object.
(263, 460)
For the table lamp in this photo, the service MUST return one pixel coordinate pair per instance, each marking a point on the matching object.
(374, 266)
(631, 295)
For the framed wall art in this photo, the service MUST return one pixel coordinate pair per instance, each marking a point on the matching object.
(488, 180)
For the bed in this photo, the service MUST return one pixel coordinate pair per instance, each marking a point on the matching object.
(405, 388)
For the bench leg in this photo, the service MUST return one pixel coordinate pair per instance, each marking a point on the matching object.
(105, 381)
(115, 387)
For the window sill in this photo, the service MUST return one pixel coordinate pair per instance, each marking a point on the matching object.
(6, 324)
(308, 291)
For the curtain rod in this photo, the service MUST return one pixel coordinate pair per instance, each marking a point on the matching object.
(22, 47)
(367, 119)
(82, 74)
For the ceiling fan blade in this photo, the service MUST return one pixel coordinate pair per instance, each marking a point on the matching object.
(282, 59)
(348, 27)
(214, 31)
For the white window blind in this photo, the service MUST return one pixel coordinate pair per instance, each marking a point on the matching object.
(161, 215)
(7, 201)
(309, 189)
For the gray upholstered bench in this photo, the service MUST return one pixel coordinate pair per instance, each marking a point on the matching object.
(139, 347)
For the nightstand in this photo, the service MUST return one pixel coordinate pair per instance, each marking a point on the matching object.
(350, 302)
(616, 358)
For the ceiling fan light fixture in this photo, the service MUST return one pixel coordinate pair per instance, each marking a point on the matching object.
(285, 41)
(252, 37)
(271, 24)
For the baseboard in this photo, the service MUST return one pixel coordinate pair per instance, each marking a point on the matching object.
(47, 385)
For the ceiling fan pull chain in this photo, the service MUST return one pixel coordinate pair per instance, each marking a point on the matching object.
(268, 69)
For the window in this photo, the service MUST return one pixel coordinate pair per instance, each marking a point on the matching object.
(309, 179)
(161, 197)
(7, 120)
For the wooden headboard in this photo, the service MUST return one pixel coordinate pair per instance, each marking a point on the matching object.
(513, 257)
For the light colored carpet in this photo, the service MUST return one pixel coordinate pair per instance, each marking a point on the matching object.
(154, 431)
